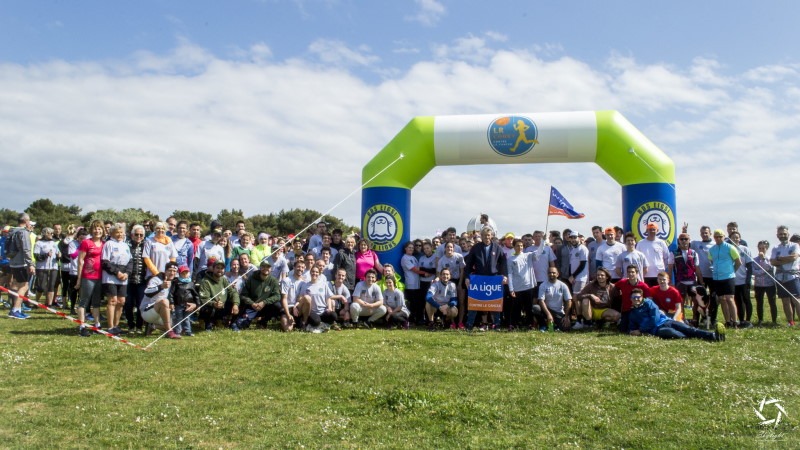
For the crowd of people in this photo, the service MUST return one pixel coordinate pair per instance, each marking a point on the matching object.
(171, 277)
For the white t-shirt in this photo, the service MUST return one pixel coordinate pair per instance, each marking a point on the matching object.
(542, 262)
(521, 276)
(289, 288)
(455, 263)
(407, 262)
(554, 295)
(608, 254)
(657, 255)
(369, 294)
(576, 256)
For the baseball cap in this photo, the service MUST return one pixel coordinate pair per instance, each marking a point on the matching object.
(652, 226)
(509, 235)
(573, 234)
(183, 268)
(265, 262)
(7, 228)
(609, 230)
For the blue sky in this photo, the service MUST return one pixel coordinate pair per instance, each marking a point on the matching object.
(280, 103)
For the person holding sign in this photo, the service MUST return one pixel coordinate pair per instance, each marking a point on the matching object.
(485, 258)
(442, 297)
(554, 301)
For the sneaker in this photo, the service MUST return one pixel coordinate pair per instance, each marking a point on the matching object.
(461, 326)
(406, 325)
(347, 324)
(148, 329)
(790, 324)
(17, 315)
(510, 328)
(209, 327)
(235, 328)
(173, 335)
(719, 333)
(453, 326)
(745, 324)
(85, 332)
(483, 328)
(362, 325)
(89, 318)
(543, 329)
(316, 330)
(25, 308)
(116, 331)
(578, 326)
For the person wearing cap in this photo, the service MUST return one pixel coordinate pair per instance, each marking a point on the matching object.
(20, 263)
(657, 254)
(607, 253)
(507, 244)
(219, 298)
(725, 261)
(184, 300)
(215, 225)
(260, 298)
(646, 318)
(786, 260)
(156, 306)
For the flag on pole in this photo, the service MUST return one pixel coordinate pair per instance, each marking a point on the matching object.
(559, 206)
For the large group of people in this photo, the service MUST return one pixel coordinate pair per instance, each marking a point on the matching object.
(170, 276)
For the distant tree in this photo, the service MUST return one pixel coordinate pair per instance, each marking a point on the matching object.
(128, 215)
(8, 217)
(46, 213)
(263, 222)
(295, 220)
(229, 218)
(204, 219)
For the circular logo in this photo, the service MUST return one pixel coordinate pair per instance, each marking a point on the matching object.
(383, 226)
(512, 135)
(658, 213)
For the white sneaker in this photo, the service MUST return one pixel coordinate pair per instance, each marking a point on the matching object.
(316, 330)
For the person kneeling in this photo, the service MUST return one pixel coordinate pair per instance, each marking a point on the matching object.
(156, 308)
(443, 297)
(261, 298)
(646, 318)
(316, 304)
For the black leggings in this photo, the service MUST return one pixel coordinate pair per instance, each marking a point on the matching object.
(744, 306)
(773, 308)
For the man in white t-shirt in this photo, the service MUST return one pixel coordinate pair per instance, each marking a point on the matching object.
(367, 301)
(578, 263)
(657, 254)
(607, 253)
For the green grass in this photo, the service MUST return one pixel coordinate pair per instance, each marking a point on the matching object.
(394, 389)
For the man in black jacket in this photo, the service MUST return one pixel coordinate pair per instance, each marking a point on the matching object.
(485, 258)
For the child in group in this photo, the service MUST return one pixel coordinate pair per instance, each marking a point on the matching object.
(442, 297)
(395, 302)
(184, 299)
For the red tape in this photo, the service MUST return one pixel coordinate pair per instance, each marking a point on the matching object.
(61, 314)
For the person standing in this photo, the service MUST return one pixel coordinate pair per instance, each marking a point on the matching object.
(89, 273)
(20, 263)
(485, 258)
(786, 259)
(764, 284)
(725, 261)
(657, 254)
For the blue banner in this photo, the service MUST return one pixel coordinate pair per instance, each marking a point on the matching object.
(485, 293)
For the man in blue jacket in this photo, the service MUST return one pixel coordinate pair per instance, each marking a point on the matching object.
(646, 318)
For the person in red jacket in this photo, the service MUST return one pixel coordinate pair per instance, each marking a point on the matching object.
(622, 292)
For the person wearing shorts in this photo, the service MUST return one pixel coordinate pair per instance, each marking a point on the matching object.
(725, 262)
(21, 265)
(47, 254)
(156, 308)
(117, 264)
(593, 302)
(786, 260)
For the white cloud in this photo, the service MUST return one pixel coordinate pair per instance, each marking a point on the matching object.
(339, 54)
(190, 130)
(429, 13)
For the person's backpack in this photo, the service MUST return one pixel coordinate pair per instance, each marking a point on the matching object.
(13, 247)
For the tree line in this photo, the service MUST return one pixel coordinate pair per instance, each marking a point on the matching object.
(46, 214)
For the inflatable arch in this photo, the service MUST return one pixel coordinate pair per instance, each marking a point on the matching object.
(645, 173)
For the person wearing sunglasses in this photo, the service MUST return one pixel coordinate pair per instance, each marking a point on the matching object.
(687, 268)
(646, 318)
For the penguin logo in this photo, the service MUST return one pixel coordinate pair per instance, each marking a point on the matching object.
(383, 226)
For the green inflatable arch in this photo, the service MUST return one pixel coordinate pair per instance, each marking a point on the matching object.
(645, 173)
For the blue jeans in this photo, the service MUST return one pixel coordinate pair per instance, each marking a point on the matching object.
(178, 314)
(672, 329)
(471, 319)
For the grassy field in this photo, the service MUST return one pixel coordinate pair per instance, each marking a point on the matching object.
(395, 389)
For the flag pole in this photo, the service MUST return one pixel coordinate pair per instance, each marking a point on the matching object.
(546, 236)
